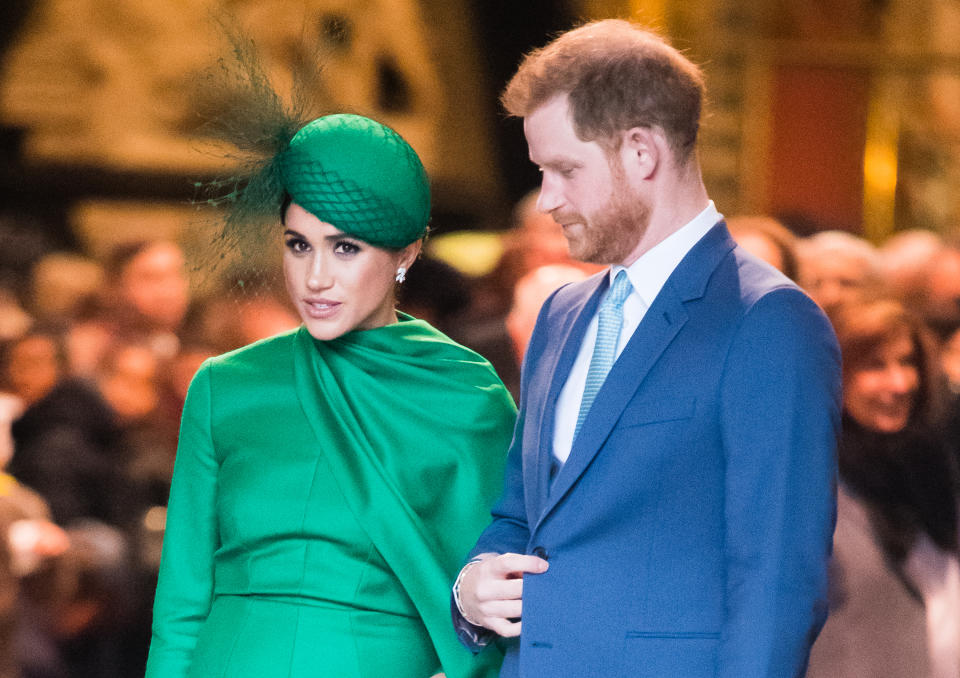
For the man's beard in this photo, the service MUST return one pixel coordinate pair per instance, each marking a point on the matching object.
(612, 233)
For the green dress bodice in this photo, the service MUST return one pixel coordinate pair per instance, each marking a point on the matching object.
(323, 498)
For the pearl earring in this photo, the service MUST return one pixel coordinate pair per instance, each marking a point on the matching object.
(401, 274)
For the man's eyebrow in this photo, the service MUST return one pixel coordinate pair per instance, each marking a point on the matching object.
(555, 163)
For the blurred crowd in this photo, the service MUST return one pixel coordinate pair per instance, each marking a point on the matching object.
(96, 357)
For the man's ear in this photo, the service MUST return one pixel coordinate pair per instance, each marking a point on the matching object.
(643, 150)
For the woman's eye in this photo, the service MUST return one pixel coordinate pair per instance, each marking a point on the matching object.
(297, 245)
(345, 247)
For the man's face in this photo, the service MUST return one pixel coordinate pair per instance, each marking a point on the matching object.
(585, 188)
(836, 280)
(155, 283)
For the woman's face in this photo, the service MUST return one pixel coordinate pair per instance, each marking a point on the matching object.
(338, 283)
(33, 367)
(881, 393)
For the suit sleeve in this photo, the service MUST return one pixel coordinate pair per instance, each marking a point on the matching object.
(185, 585)
(509, 531)
(780, 413)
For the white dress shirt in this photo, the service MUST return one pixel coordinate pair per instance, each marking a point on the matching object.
(647, 275)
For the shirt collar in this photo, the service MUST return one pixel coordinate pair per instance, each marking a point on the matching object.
(649, 273)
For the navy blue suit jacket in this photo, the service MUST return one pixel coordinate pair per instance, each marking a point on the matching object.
(689, 531)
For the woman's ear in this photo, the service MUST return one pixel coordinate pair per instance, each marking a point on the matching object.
(409, 254)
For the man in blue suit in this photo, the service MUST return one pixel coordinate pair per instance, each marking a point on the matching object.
(669, 515)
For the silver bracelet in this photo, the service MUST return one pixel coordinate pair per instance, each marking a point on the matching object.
(456, 588)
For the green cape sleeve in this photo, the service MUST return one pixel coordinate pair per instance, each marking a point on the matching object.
(416, 429)
(185, 586)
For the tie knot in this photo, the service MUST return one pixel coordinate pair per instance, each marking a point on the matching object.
(619, 291)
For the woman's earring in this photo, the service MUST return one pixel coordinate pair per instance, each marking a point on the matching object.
(401, 274)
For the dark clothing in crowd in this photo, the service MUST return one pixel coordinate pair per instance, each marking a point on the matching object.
(894, 546)
(70, 448)
(67, 449)
(910, 479)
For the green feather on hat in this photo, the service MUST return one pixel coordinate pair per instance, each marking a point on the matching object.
(347, 170)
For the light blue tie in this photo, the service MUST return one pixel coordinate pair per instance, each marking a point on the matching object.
(609, 323)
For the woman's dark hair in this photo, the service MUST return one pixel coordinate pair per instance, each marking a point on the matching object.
(909, 479)
(284, 206)
(864, 328)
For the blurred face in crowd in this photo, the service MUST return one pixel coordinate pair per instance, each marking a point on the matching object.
(528, 296)
(761, 246)
(129, 382)
(881, 391)
(951, 360)
(33, 367)
(765, 237)
(584, 188)
(943, 289)
(836, 279)
(336, 282)
(155, 283)
(541, 241)
(263, 317)
(183, 368)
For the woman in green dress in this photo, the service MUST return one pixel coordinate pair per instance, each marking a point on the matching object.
(329, 480)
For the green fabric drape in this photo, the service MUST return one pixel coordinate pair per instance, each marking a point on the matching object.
(384, 410)
(324, 496)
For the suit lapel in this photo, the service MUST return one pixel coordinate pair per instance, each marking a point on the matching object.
(660, 325)
(566, 335)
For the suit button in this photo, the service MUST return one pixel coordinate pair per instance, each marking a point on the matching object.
(541, 552)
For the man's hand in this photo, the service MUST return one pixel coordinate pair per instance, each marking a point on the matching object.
(491, 591)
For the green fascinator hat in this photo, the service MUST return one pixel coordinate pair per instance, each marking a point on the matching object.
(360, 176)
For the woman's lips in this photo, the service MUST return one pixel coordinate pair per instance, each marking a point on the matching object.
(321, 309)
(899, 409)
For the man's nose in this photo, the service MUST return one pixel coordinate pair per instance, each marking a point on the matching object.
(550, 197)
